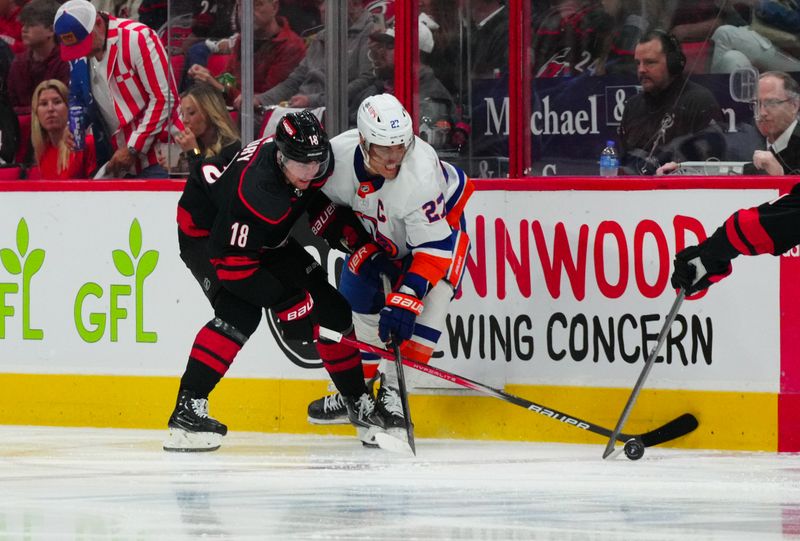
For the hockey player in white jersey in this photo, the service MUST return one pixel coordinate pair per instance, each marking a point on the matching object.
(411, 204)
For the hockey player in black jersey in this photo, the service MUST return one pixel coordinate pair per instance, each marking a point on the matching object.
(234, 230)
(771, 228)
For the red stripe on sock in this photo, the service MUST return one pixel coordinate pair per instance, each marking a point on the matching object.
(338, 357)
(212, 362)
(221, 345)
(342, 366)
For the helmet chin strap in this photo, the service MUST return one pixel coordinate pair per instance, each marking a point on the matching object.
(362, 144)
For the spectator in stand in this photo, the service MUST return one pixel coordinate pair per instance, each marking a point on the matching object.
(10, 26)
(571, 39)
(776, 119)
(153, 13)
(305, 86)
(212, 21)
(629, 24)
(42, 60)
(53, 155)
(128, 9)
(436, 108)
(444, 19)
(488, 39)
(672, 116)
(130, 80)
(742, 47)
(9, 125)
(277, 51)
(209, 131)
(303, 15)
(695, 20)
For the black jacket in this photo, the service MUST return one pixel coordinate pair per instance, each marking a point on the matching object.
(687, 112)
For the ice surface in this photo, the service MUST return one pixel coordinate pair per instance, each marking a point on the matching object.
(69, 483)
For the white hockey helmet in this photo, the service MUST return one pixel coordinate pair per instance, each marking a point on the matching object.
(382, 120)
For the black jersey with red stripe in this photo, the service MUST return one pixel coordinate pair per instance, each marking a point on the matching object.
(770, 228)
(260, 211)
(204, 192)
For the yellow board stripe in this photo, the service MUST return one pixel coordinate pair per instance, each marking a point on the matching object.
(728, 420)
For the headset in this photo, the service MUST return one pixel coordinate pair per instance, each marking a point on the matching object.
(676, 60)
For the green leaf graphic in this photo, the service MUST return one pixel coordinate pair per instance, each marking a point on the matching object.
(135, 239)
(34, 262)
(10, 261)
(123, 262)
(22, 237)
(148, 263)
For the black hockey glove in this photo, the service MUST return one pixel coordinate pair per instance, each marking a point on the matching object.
(696, 271)
(338, 225)
(295, 319)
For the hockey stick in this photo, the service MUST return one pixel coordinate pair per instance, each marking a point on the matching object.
(648, 365)
(680, 426)
(401, 384)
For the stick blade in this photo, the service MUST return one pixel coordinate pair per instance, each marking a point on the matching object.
(678, 427)
(387, 442)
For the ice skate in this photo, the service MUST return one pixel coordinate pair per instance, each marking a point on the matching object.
(363, 415)
(328, 410)
(190, 427)
(390, 407)
(331, 409)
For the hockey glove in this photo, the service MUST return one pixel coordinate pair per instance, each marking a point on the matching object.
(696, 271)
(338, 225)
(369, 262)
(397, 318)
(295, 319)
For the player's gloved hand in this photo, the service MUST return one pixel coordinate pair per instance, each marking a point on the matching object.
(695, 271)
(295, 320)
(370, 262)
(397, 318)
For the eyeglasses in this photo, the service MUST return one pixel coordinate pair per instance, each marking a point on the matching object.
(771, 104)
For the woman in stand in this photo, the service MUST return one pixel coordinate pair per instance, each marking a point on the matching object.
(209, 133)
(49, 132)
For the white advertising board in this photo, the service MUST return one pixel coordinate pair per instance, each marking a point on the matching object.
(562, 288)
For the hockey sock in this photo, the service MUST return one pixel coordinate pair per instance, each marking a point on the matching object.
(389, 373)
(213, 351)
(343, 364)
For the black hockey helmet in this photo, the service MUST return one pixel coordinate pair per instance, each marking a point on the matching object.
(300, 137)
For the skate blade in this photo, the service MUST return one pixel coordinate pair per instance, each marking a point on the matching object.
(335, 421)
(181, 441)
(390, 442)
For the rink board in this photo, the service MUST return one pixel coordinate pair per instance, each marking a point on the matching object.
(565, 291)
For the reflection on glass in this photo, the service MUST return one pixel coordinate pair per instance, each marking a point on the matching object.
(602, 74)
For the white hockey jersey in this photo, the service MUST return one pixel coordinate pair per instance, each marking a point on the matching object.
(419, 212)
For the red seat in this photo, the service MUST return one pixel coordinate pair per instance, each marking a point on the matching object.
(10, 173)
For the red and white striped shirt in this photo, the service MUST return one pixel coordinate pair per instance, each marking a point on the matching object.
(142, 87)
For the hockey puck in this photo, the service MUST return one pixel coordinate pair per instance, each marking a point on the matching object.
(634, 449)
